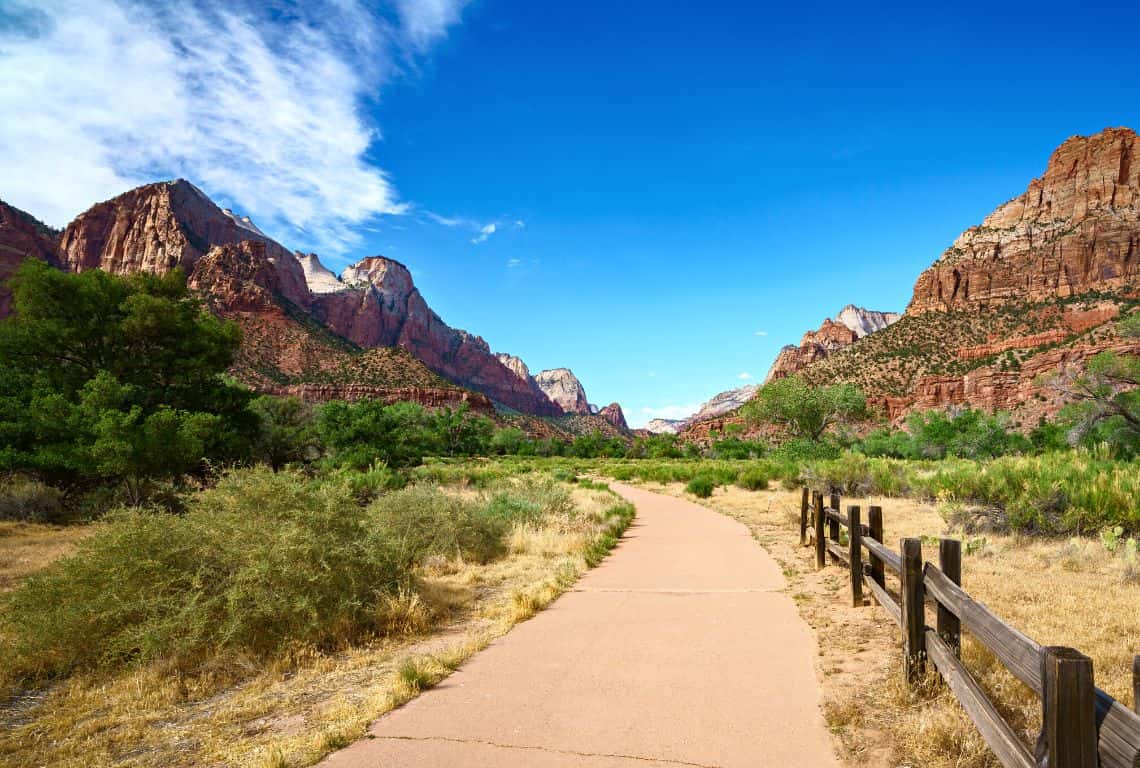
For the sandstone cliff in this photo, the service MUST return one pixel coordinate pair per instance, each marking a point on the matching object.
(664, 426)
(564, 389)
(614, 415)
(292, 309)
(848, 326)
(1039, 286)
(22, 237)
(1075, 229)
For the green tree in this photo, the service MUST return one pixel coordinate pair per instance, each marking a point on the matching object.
(358, 435)
(1106, 398)
(286, 430)
(803, 410)
(105, 379)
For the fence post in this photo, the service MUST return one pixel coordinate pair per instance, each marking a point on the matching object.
(820, 552)
(803, 517)
(832, 523)
(875, 524)
(912, 592)
(1136, 683)
(855, 553)
(950, 563)
(1068, 701)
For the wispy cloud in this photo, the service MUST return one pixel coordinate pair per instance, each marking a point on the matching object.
(744, 376)
(513, 263)
(260, 104)
(761, 333)
(484, 232)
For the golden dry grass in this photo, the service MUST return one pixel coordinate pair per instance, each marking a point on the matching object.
(1067, 592)
(307, 703)
(27, 547)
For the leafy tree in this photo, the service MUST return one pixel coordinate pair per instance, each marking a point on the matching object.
(105, 379)
(508, 441)
(361, 434)
(803, 410)
(1106, 397)
(462, 433)
(286, 431)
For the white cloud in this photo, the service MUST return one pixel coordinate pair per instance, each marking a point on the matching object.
(425, 21)
(484, 232)
(512, 263)
(519, 223)
(744, 376)
(259, 104)
(761, 333)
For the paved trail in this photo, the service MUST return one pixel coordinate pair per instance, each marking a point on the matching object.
(679, 650)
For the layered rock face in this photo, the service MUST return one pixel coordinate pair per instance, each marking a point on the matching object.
(614, 415)
(562, 387)
(378, 304)
(851, 324)
(664, 426)
(22, 237)
(298, 317)
(1075, 229)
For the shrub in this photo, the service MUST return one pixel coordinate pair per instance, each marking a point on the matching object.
(754, 479)
(701, 486)
(258, 562)
(28, 500)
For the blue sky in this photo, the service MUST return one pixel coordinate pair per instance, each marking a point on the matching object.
(666, 181)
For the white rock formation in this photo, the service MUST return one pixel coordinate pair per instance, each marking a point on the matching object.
(564, 389)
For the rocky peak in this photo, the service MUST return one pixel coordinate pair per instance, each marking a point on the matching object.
(664, 426)
(1075, 229)
(388, 276)
(865, 321)
(848, 326)
(562, 387)
(723, 403)
(153, 228)
(515, 365)
(613, 414)
(318, 277)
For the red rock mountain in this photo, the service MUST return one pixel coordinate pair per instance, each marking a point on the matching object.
(614, 415)
(1038, 287)
(1075, 229)
(563, 388)
(304, 328)
(22, 237)
(851, 324)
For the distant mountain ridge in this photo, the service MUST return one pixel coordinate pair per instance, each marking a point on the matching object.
(306, 329)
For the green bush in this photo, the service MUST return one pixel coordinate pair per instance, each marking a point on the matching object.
(260, 561)
(26, 499)
(701, 486)
(754, 479)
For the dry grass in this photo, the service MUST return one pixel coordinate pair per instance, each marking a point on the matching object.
(306, 703)
(1068, 592)
(27, 547)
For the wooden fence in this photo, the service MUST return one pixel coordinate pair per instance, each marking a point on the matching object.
(1081, 727)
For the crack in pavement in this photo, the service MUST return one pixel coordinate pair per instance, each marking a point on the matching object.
(552, 750)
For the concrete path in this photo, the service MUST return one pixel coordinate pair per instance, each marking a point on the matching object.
(679, 650)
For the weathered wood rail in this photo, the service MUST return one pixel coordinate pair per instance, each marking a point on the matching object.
(1081, 725)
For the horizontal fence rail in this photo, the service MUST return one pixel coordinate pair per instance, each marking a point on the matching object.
(1081, 725)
